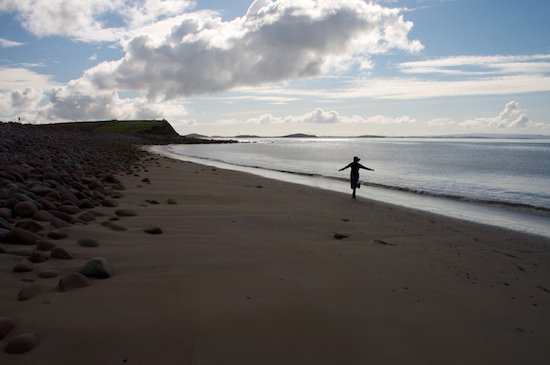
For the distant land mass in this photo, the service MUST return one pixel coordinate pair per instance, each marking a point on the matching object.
(471, 135)
(149, 131)
(299, 135)
(133, 127)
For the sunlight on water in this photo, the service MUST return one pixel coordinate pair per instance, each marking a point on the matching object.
(508, 180)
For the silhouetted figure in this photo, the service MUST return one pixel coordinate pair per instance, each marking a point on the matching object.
(355, 166)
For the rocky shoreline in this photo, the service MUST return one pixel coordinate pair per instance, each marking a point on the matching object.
(51, 179)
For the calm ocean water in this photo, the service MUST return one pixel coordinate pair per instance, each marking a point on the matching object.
(510, 174)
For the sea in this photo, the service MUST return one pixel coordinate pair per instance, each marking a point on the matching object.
(501, 182)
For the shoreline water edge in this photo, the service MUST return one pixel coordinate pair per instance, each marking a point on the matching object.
(518, 217)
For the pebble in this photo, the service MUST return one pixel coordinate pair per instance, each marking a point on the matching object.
(21, 343)
(114, 226)
(37, 257)
(153, 230)
(30, 226)
(58, 235)
(29, 292)
(23, 266)
(109, 203)
(126, 213)
(49, 273)
(6, 325)
(88, 242)
(73, 281)
(43, 216)
(59, 223)
(44, 245)
(86, 217)
(22, 237)
(69, 209)
(61, 253)
(25, 209)
(97, 267)
(6, 213)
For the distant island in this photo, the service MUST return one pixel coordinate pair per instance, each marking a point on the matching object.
(473, 135)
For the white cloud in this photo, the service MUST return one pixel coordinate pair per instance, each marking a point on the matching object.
(320, 116)
(441, 122)
(6, 43)
(408, 89)
(275, 41)
(21, 78)
(79, 100)
(511, 117)
(479, 65)
(85, 20)
(19, 99)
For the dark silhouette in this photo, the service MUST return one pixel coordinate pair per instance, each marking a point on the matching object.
(355, 166)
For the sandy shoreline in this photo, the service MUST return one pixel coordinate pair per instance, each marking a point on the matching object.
(247, 271)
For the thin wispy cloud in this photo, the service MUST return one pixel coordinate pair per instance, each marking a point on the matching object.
(6, 43)
(479, 65)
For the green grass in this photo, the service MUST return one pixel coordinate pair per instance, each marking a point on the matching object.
(158, 127)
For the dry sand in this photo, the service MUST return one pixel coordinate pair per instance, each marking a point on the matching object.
(247, 271)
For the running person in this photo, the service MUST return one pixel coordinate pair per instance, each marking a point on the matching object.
(355, 166)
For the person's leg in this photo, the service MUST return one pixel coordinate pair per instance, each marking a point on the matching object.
(353, 195)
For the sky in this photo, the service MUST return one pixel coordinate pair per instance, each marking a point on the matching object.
(276, 67)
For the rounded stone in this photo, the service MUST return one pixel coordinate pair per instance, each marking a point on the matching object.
(37, 257)
(30, 226)
(88, 242)
(59, 223)
(29, 292)
(49, 273)
(22, 237)
(73, 281)
(126, 213)
(61, 253)
(23, 266)
(86, 217)
(21, 343)
(6, 325)
(58, 235)
(85, 204)
(114, 226)
(43, 216)
(69, 209)
(109, 203)
(97, 267)
(25, 209)
(153, 230)
(6, 213)
(44, 245)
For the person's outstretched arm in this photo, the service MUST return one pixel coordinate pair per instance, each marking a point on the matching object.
(364, 167)
(343, 168)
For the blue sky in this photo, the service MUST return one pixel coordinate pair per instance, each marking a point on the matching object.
(273, 67)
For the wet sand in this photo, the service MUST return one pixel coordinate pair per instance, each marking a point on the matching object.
(248, 270)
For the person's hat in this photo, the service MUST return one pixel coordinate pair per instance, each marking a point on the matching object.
(356, 159)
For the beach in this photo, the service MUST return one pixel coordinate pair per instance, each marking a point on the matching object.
(248, 270)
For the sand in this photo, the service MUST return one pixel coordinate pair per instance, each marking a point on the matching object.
(248, 270)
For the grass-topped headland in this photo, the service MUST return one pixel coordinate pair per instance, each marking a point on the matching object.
(132, 127)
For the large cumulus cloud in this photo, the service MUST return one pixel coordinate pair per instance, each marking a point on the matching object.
(275, 41)
(511, 117)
